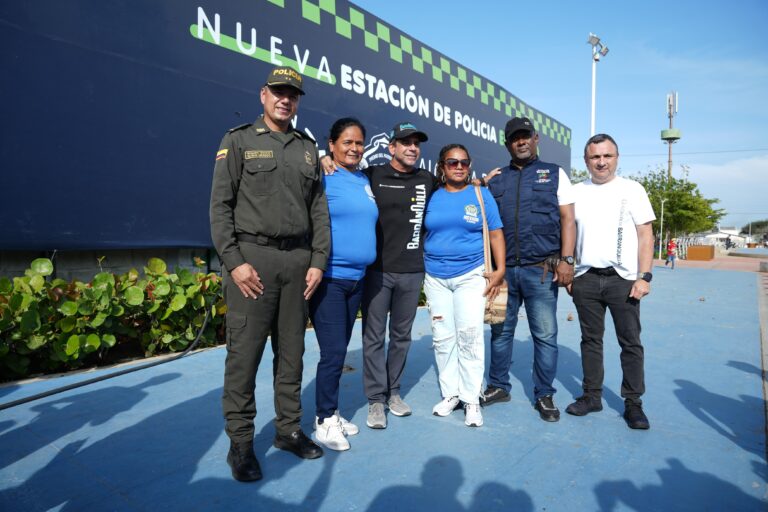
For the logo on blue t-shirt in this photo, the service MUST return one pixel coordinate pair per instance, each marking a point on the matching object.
(370, 193)
(470, 213)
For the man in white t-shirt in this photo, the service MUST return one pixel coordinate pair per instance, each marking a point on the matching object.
(614, 255)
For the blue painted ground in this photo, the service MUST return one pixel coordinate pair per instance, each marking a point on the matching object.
(153, 440)
(757, 252)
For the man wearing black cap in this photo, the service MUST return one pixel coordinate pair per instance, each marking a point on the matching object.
(393, 282)
(270, 226)
(534, 199)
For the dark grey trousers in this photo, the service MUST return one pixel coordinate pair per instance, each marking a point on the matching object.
(396, 294)
(592, 294)
(282, 311)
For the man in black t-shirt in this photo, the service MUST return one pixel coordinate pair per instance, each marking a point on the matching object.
(393, 282)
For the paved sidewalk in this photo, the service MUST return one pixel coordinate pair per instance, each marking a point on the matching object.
(153, 440)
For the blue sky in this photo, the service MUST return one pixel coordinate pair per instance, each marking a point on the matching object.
(713, 53)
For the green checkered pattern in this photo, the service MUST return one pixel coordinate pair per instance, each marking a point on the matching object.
(379, 37)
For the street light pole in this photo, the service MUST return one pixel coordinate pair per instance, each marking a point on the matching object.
(661, 227)
(598, 50)
(594, 87)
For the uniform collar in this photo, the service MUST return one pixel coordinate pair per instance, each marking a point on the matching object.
(261, 126)
(530, 162)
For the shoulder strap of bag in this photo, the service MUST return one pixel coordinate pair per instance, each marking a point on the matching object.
(486, 239)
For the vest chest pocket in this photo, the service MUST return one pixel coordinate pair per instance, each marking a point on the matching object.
(544, 199)
(260, 176)
(546, 212)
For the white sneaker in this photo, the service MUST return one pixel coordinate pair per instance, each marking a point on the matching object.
(349, 429)
(330, 434)
(472, 415)
(446, 406)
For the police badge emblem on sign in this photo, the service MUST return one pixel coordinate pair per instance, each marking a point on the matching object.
(542, 176)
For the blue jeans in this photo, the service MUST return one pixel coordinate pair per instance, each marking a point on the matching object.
(540, 299)
(333, 309)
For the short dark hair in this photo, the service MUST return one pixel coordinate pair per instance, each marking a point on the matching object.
(440, 159)
(342, 124)
(597, 139)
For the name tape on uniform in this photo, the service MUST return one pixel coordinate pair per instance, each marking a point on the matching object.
(251, 154)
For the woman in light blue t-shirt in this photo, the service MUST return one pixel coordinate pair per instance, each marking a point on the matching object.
(333, 307)
(455, 283)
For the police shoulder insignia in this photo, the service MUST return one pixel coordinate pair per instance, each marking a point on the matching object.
(303, 135)
(308, 157)
(246, 125)
(221, 154)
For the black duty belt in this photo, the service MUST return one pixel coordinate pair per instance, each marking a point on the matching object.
(609, 271)
(283, 244)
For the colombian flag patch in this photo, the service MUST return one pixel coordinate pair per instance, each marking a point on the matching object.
(222, 154)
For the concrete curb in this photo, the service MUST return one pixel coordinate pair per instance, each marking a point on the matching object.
(762, 307)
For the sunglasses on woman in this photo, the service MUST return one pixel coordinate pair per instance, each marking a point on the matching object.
(453, 163)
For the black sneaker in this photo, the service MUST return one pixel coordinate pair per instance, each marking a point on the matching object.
(492, 394)
(584, 405)
(547, 409)
(635, 417)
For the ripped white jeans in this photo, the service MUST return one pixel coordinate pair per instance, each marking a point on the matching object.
(456, 307)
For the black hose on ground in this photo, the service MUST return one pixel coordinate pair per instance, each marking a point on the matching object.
(100, 378)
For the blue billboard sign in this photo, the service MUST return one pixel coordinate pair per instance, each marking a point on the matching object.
(113, 111)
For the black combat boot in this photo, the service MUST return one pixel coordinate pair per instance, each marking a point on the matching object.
(241, 459)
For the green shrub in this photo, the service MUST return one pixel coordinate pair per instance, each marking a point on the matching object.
(51, 324)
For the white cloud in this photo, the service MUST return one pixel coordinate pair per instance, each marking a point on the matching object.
(741, 185)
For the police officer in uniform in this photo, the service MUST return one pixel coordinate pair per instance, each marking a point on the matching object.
(270, 226)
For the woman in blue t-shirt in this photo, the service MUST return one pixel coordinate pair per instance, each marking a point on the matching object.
(333, 308)
(455, 283)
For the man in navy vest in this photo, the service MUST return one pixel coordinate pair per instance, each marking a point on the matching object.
(534, 199)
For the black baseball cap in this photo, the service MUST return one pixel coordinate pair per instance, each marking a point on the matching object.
(283, 75)
(403, 130)
(518, 124)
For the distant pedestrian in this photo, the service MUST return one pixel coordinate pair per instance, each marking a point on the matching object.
(614, 251)
(671, 253)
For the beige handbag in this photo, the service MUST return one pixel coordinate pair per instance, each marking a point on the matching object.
(495, 310)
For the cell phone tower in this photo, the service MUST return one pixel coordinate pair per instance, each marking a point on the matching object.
(671, 135)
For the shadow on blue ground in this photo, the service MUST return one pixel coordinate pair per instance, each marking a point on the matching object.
(748, 368)
(59, 417)
(154, 440)
(440, 479)
(680, 489)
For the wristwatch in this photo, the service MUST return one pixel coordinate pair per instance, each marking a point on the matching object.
(568, 259)
(645, 276)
